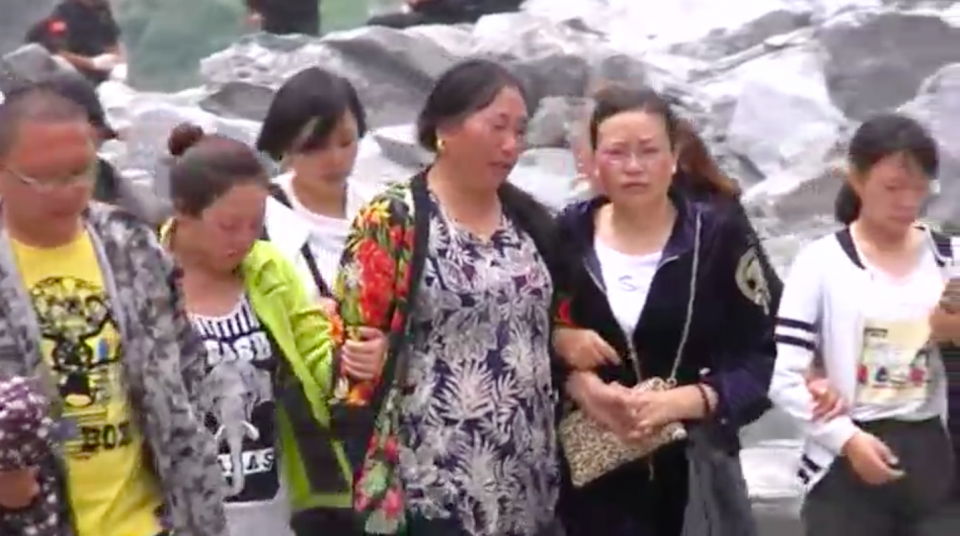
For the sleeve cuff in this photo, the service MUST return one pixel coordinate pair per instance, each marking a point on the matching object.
(834, 434)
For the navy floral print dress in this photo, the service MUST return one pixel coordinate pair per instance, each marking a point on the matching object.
(478, 445)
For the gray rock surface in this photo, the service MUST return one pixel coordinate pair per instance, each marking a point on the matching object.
(16, 17)
(26, 64)
(878, 61)
(937, 105)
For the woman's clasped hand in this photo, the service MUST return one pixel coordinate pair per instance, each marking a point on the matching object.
(632, 414)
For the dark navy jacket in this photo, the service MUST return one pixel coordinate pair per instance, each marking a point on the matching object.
(731, 335)
(730, 343)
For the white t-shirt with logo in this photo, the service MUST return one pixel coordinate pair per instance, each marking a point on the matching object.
(627, 279)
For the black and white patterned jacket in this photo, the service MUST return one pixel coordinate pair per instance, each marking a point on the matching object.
(162, 368)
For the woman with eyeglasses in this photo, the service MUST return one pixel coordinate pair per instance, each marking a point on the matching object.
(670, 293)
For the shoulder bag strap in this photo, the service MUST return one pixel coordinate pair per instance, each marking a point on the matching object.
(685, 334)
(421, 235)
(277, 193)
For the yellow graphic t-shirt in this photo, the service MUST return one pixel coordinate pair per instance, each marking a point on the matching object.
(111, 491)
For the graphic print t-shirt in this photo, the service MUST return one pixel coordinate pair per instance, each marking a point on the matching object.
(238, 401)
(111, 491)
(900, 375)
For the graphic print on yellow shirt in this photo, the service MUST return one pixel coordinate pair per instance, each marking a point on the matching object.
(894, 366)
(111, 491)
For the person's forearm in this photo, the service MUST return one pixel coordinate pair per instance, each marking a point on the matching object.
(578, 384)
(78, 61)
(696, 401)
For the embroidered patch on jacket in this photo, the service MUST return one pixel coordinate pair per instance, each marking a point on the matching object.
(751, 281)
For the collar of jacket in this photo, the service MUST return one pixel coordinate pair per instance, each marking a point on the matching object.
(578, 228)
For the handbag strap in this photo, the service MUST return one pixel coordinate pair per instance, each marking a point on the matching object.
(422, 210)
(685, 334)
(323, 288)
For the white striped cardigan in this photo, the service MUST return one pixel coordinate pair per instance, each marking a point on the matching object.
(818, 315)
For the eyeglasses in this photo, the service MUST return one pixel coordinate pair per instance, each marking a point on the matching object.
(47, 185)
(621, 155)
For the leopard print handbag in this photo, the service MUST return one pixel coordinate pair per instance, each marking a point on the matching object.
(593, 451)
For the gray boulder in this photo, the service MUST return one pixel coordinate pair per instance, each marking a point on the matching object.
(938, 106)
(18, 17)
(29, 63)
(877, 61)
(788, 146)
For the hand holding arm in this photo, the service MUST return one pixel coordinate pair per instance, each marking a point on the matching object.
(366, 292)
(583, 349)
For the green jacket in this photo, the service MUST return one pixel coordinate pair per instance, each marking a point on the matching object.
(313, 463)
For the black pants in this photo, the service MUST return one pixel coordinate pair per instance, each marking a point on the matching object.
(325, 522)
(284, 17)
(919, 504)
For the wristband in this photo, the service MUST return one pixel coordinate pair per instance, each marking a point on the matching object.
(705, 397)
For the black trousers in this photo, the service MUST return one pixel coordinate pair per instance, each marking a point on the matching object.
(919, 504)
(325, 522)
(291, 17)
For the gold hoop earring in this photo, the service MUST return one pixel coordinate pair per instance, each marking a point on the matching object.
(440, 145)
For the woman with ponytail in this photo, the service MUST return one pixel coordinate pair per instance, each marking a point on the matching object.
(869, 299)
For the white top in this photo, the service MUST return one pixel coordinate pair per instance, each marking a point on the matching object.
(237, 403)
(872, 334)
(899, 375)
(291, 227)
(627, 279)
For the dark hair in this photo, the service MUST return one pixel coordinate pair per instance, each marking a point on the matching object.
(310, 95)
(34, 104)
(207, 166)
(464, 89)
(693, 158)
(877, 138)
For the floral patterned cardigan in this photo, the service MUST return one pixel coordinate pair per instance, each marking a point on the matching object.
(379, 274)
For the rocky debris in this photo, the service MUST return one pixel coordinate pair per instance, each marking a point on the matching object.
(28, 64)
(558, 122)
(239, 100)
(937, 105)
(877, 60)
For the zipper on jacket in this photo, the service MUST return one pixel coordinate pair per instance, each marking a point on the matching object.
(632, 353)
